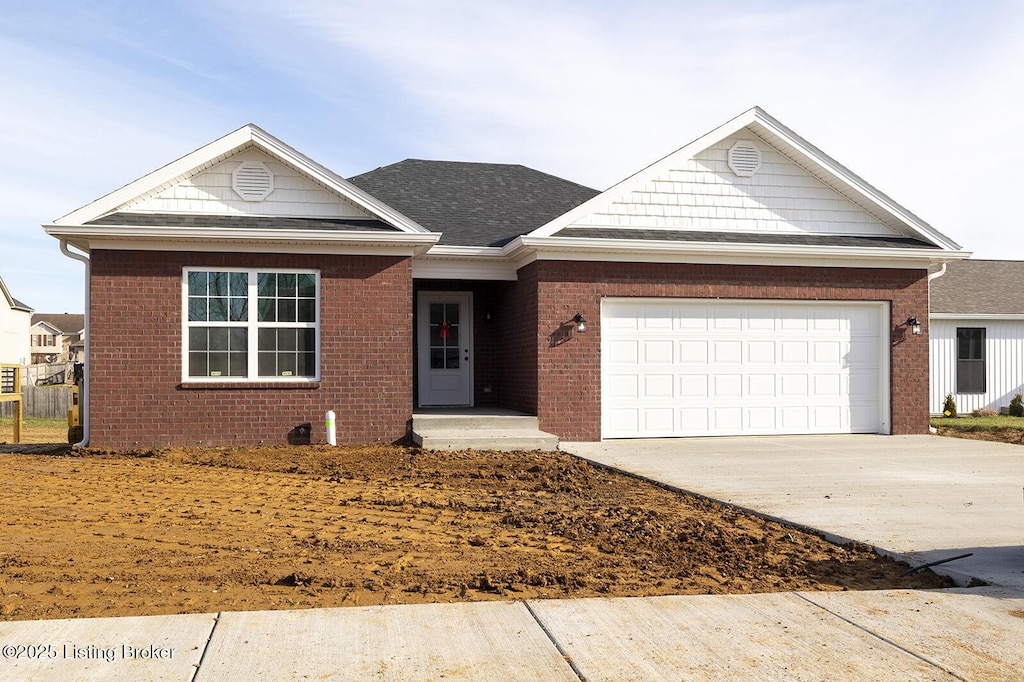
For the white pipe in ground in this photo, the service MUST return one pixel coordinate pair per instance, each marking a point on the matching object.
(331, 438)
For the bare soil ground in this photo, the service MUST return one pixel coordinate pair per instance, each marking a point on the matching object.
(999, 435)
(200, 530)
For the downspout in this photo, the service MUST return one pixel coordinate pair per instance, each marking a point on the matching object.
(932, 277)
(83, 402)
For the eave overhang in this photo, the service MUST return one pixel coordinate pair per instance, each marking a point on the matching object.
(177, 238)
(526, 249)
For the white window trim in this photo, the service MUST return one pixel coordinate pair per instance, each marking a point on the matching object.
(253, 326)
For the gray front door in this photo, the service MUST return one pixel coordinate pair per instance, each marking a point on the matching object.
(445, 339)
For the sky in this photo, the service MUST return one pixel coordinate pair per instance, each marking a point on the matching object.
(921, 98)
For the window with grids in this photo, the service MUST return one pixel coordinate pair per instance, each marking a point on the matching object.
(251, 325)
(970, 359)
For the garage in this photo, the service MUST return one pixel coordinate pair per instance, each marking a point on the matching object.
(710, 367)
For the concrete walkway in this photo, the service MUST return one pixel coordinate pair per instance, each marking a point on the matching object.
(894, 635)
(921, 498)
(925, 497)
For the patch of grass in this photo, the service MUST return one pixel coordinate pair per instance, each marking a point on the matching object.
(966, 423)
(34, 430)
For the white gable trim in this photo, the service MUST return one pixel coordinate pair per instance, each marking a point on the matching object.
(790, 144)
(43, 324)
(223, 148)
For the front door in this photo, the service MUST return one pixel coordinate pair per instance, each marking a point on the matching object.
(445, 340)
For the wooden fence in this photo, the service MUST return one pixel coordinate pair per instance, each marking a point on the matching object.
(41, 402)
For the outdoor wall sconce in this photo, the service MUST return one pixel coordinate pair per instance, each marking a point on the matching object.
(581, 324)
(914, 324)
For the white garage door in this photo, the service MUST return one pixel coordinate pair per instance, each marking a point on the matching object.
(684, 367)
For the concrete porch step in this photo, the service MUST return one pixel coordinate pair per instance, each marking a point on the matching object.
(502, 430)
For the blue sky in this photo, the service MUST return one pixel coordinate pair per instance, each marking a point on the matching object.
(922, 98)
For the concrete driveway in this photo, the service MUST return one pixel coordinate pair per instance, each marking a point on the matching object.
(921, 498)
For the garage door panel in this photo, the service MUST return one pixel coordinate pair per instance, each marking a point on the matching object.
(762, 420)
(621, 386)
(793, 352)
(727, 386)
(622, 352)
(693, 352)
(728, 352)
(684, 368)
(728, 419)
(693, 385)
(694, 421)
(658, 352)
(761, 352)
(761, 385)
(659, 386)
(827, 352)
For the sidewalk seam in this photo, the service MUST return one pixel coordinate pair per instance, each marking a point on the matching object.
(206, 646)
(888, 641)
(565, 655)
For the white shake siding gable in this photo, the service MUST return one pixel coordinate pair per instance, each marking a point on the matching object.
(704, 194)
(210, 192)
(1004, 363)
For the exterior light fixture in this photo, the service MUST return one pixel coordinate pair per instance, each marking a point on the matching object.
(581, 324)
(914, 325)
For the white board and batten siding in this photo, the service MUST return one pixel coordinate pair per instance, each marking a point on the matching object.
(1004, 363)
(689, 367)
(703, 193)
(211, 192)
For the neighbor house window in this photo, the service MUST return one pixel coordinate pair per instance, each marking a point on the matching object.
(970, 360)
(251, 325)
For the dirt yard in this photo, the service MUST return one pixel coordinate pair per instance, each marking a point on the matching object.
(199, 530)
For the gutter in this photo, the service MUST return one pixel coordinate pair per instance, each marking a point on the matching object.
(83, 402)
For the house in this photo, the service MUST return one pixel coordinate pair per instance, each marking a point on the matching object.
(746, 283)
(56, 337)
(977, 334)
(14, 324)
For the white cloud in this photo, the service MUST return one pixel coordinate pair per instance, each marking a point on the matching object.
(920, 98)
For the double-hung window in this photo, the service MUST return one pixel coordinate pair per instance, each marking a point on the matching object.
(970, 359)
(251, 325)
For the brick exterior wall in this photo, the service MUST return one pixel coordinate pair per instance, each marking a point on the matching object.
(569, 392)
(137, 398)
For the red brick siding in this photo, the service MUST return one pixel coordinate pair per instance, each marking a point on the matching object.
(517, 326)
(136, 393)
(569, 392)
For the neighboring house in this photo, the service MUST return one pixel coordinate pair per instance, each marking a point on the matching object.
(977, 334)
(14, 325)
(745, 284)
(56, 336)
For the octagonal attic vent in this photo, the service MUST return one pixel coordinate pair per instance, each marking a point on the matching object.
(744, 158)
(252, 181)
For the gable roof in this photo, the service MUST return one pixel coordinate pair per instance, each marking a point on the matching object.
(13, 303)
(979, 288)
(65, 323)
(106, 220)
(774, 134)
(473, 204)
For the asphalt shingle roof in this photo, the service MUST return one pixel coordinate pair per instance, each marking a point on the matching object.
(240, 222)
(980, 287)
(473, 204)
(67, 323)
